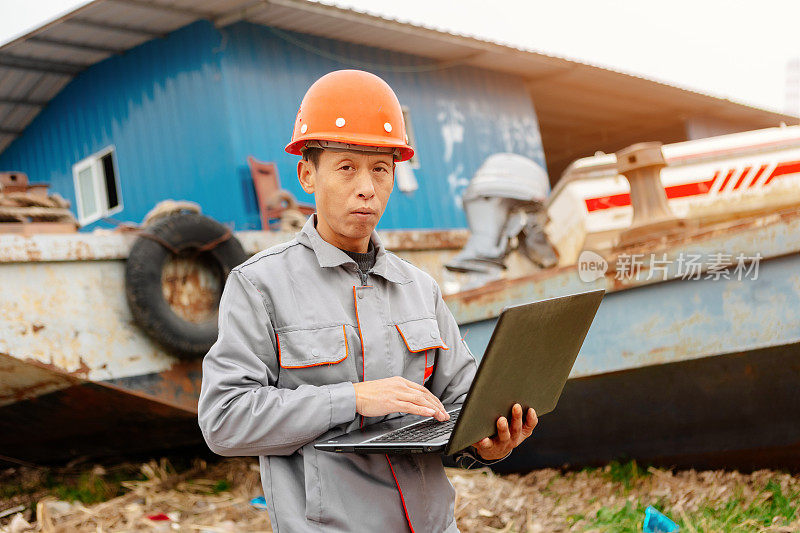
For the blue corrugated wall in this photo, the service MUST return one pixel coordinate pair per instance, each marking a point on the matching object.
(185, 111)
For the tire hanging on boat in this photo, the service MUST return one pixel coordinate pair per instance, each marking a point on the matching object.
(184, 237)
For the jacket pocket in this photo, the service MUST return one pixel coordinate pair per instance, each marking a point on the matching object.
(421, 338)
(315, 356)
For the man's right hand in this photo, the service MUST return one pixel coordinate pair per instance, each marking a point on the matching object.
(380, 397)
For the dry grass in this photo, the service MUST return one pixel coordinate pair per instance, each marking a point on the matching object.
(614, 499)
(208, 498)
(215, 498)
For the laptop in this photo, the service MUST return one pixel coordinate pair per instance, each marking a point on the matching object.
(527, 361)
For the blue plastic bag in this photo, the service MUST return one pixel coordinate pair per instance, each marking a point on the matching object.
(259, 503)
(656, 522)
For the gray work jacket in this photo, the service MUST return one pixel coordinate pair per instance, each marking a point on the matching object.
(297, 326)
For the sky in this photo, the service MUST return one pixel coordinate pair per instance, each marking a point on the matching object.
(729, 48)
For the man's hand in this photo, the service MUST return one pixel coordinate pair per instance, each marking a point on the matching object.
(380, 397)
(506, 440)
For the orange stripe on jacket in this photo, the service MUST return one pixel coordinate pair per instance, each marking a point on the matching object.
(443, 346)
(428, 369)
(402, 500)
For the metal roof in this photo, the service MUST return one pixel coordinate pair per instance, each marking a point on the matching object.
(578, 105)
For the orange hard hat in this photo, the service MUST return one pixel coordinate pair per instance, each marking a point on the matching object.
(352, 107)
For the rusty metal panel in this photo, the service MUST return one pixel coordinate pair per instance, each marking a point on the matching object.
(73, 247)
(178, 385)
(688, 319)
(81, 417)
(679, 320)
(404, 240)
(21, 381)
(64, 323)
(656, 319)
(74, 315)
(395, 240)
(770, 236)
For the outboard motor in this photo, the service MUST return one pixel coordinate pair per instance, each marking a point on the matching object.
(505, 199)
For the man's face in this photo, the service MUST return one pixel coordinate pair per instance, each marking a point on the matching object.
(351, 190)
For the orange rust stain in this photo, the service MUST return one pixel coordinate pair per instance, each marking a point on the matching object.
(31, 391)
(191, 287)
(83, 251)
(702, 230)
(82, 371)
(407, 240)
(178, 375)
(32, 251)
(495, 289)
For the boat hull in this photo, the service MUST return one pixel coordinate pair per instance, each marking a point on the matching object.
(656, 380)
(738, 410)
(64, 416)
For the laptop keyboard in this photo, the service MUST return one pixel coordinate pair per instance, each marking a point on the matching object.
(424, 432)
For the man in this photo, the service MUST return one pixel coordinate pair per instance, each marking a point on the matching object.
(329, 332)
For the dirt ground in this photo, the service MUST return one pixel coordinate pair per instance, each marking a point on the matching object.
(216, 496)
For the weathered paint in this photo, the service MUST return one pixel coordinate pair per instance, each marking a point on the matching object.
(73, 314)
(44, 313)
(183, 112)
(22, 381)
(672, 320)
(178, 385)
(680, 320)
(99, 245)
(63, 304)
(62, 313)
(104, 244)
(773, 235)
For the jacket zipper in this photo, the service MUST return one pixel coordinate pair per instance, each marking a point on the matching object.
(363, 276)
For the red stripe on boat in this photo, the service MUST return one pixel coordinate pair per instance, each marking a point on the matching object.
(745, 172)
(673, 191)
(782, 169)
(691, 189)
(728, 177)
(758, 175)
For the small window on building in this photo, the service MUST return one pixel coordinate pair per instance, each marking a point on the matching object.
(411, 140)
(97, 186)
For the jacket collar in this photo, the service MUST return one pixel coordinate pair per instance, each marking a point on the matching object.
(329, 255)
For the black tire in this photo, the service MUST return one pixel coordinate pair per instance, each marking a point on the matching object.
(184, 232)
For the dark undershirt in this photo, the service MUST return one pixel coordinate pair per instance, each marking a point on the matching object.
(366, 260)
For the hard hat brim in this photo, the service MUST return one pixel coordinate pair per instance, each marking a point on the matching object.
(406, 152)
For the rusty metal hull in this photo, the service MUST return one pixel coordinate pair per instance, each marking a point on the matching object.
(691, 373)
(76, 417)
(738, 410)
(680, 320)
(80, 376)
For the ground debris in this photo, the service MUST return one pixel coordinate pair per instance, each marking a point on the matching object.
(204, 498)
(614, 499)
(215, 497)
